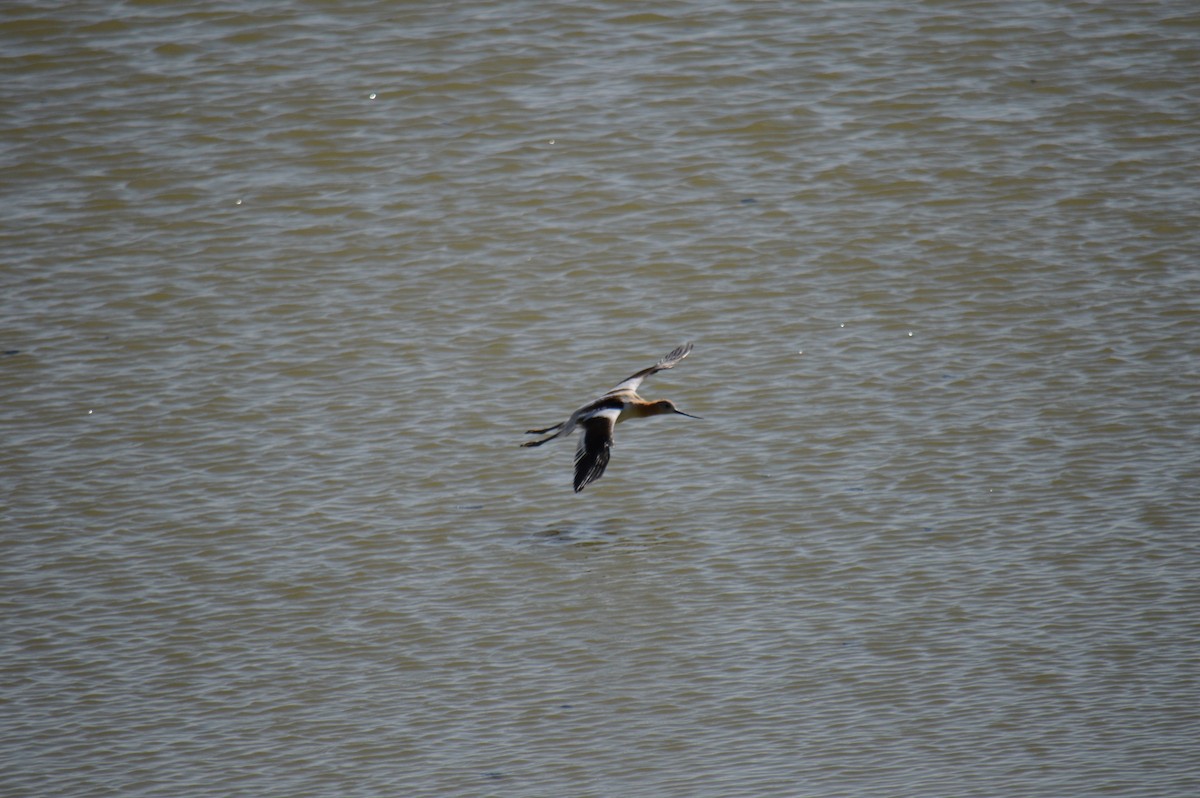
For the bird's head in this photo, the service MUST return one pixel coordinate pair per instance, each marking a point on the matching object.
(667, 406)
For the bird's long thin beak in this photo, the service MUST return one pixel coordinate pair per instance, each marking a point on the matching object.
(689, 415)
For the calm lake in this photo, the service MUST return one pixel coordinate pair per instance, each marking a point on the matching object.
(284, 284)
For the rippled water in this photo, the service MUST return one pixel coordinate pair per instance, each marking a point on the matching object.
(283, 286)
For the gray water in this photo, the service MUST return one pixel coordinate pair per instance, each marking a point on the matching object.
(284, 284)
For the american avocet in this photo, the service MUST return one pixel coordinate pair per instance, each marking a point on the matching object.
(597, 419)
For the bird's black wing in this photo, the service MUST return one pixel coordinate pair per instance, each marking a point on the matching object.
(591, 458)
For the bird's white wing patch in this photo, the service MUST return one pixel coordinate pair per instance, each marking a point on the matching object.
(634, 381)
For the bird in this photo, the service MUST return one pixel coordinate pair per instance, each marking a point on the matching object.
(597, 418)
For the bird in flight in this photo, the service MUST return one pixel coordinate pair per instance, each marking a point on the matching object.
(597, 419)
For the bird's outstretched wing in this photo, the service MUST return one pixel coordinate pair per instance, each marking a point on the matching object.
(632, 383)
(591, 458)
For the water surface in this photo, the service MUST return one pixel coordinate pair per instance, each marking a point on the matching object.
(283, 287)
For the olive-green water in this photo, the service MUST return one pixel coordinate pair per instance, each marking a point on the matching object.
(282, 285)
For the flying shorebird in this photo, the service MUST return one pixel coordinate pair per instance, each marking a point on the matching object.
(597, 419)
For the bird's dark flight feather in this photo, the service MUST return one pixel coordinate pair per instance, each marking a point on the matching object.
(591, 458)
